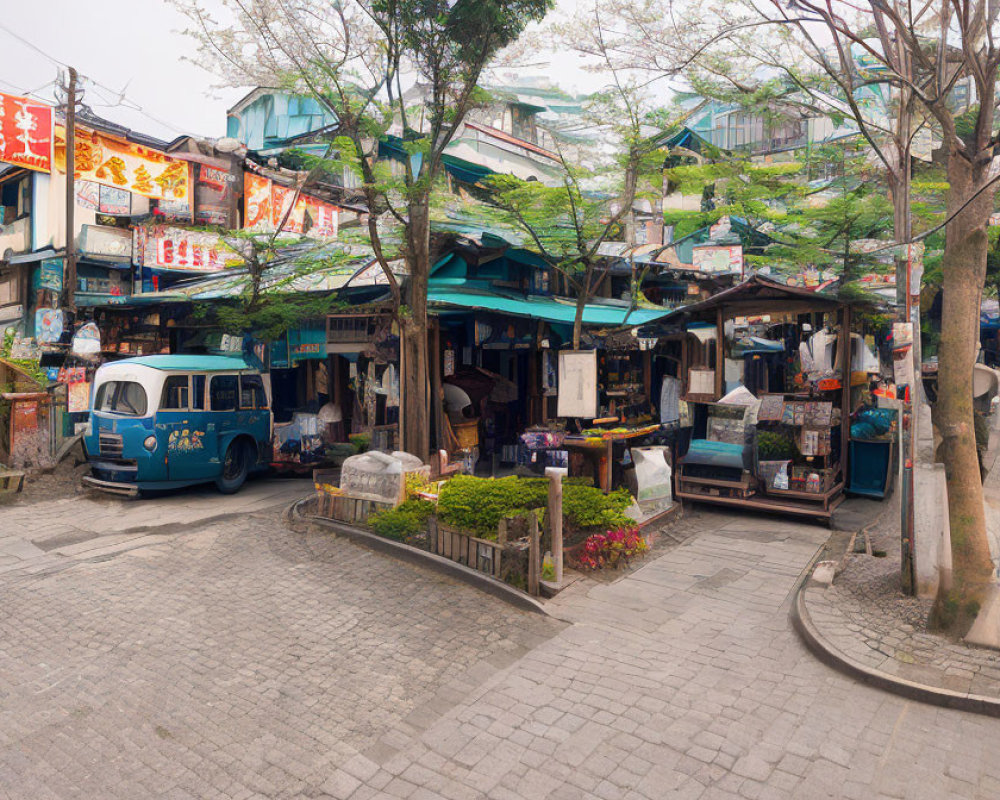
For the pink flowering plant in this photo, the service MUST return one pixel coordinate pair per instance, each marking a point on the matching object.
(612, 549)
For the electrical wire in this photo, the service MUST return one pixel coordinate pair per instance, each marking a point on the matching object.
(120, 95)
(28, 92)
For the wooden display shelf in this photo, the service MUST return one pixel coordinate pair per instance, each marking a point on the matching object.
(742, 483)
(812, 496)
(704, 399)
(764, 503)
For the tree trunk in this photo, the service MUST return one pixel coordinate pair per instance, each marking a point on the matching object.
(582, 295)
(964, 272)
(413, 333)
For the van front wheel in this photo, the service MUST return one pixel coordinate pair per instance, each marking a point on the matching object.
(234, 468)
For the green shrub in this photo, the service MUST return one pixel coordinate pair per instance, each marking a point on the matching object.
(403, 521)
(478, 504)
(589, 507)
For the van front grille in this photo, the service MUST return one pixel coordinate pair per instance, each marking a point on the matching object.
(111, 445)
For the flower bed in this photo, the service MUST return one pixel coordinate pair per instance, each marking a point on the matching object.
(613, 549)
(484, 523)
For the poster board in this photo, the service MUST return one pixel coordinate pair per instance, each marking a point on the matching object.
(577, 384)
(721, 259)
(25, 133)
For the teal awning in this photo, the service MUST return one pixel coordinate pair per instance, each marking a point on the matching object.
(543, 308)
(465, 171)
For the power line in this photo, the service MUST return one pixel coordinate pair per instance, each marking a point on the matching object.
(120, 95)
(28, 92)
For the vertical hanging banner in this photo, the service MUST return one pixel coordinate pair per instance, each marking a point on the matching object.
(257, 199)
(25, 133)
(267, 203)
(214, 195)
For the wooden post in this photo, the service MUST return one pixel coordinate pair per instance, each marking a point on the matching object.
(845, 401)
(685, 364)
(435, 370)
(555, 476)
(720, 353)
(69, 270)
(533, 559)
(432, 535)
(647, 376)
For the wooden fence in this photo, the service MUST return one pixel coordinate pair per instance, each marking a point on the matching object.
(484, 555)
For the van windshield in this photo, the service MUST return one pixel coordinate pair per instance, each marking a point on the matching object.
(121, 397)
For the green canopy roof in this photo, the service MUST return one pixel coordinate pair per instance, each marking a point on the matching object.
(188, 362)
(542, 308)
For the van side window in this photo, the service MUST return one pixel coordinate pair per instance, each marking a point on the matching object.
(223, 392)
(252, 392)
(175, 393)
(198, 392)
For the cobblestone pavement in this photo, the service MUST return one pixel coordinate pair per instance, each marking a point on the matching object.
(47, 535)
(245, 660)
(865, 616)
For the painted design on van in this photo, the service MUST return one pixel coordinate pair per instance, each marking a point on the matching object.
(185, 441)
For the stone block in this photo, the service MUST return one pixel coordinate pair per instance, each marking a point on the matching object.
(931, 529)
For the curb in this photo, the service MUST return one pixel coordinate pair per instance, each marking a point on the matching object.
(832, 657)
(404, 552)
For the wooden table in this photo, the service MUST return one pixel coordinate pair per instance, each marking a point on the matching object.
(601, 450)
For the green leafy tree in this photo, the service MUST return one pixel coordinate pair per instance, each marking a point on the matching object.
(355, 58)
(889, 68)
(567, 223)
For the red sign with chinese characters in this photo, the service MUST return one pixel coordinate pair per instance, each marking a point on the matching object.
(25, 133)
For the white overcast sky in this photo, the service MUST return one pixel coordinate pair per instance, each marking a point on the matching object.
(136, 46)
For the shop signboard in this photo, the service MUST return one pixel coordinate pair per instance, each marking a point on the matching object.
(103, 241)
(25, 133)
(214, 196)
(279, 353)
(50, 275)
(125, 165)
(48, 325)
(165, 247)
(306, 343)
(577, 384)
(257, 200)
(266, 204)
(114, 201)
(103, 199)
(88, 195)
(718, 259)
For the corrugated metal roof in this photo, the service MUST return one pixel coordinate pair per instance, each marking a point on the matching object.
(543, 308)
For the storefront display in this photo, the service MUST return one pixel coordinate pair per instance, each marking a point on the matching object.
(769, 418)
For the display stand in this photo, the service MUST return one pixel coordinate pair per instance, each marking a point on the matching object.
(730, 478)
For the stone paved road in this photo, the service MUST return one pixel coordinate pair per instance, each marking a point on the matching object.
(245, 660)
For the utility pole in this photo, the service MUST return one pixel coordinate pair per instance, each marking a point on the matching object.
(69, 273)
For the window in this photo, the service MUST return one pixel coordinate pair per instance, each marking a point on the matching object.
(15, 197)
(198, 392)
(121, 397)
(10, 287)
(224, 389)
(252, 392)
(175, 393)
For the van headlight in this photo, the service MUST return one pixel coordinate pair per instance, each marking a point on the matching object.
(149, 443)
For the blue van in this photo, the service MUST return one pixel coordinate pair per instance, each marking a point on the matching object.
(162, 422)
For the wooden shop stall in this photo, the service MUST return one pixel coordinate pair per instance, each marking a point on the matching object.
(766, 390)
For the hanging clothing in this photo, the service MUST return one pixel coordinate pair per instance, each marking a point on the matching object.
(670, 395)
(821, 349)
